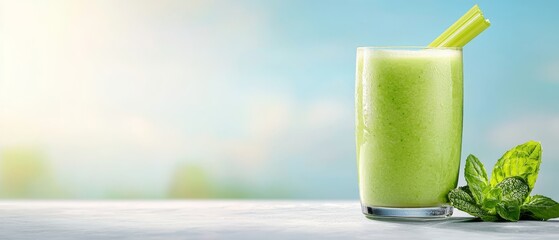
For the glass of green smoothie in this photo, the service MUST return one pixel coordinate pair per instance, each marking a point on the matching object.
(408, 103)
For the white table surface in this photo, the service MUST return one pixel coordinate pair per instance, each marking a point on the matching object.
(238, 220)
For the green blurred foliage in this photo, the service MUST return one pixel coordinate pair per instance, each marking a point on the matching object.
(193, 181)
(24, 173)
(190, 181)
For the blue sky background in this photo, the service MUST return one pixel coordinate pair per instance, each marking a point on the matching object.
(249, 98)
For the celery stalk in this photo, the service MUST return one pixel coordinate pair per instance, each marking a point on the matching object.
(464, 30)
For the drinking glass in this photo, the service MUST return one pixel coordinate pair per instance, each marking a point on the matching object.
(409, 104)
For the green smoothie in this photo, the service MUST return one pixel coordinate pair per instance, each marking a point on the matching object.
(408, 125)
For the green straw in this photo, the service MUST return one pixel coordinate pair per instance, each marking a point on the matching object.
(464, 30)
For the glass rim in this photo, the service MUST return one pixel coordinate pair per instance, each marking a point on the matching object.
(407, 47)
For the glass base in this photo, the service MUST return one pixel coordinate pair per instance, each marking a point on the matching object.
(424, 213)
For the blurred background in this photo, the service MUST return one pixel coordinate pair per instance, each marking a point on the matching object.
(242, 99)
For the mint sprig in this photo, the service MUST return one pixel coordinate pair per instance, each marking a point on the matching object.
(506, 196)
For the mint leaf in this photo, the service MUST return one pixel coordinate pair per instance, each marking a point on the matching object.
(539, 207)
(476, 177)
(514, 191)
(523, 161)
(509, 212)
(491, 198)
(460, 198)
